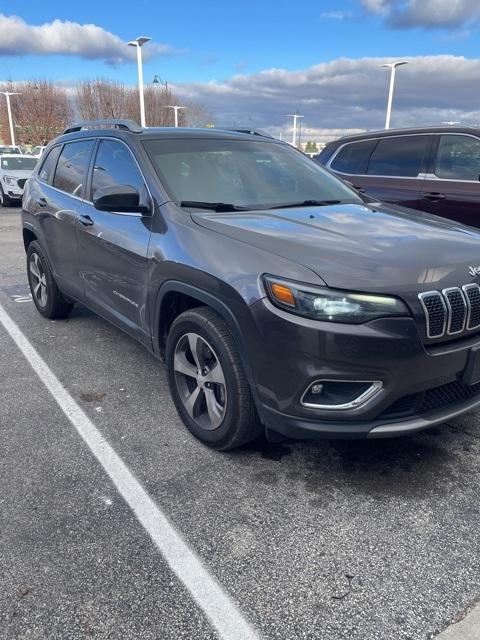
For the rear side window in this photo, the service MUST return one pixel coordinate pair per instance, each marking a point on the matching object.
(116, 166)
(458, 158)
(48, 167)
(353, 157)
(72, 167)
(401, 156)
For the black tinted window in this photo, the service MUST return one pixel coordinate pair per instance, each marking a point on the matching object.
(72, 167)
(398, 156)
(458, 158)
(353, 157)
(48, 167)
(115, 166)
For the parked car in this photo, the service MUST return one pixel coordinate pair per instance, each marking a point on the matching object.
(14, 172)
(37, 151)
(276, 296)
(4, 149)
(435, 169)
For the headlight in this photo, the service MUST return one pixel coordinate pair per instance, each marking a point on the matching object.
(9, 180)
(330, 305)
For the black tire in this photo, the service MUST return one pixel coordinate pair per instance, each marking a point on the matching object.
(53, 303)
(4, 200)
(240, 422)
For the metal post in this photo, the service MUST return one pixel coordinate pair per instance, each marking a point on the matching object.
(140, 85)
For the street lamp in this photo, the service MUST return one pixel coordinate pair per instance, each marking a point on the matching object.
(7, 95)
(392, 66)
(175, 107)
(139, 42)
(295, 117)
(158, 80)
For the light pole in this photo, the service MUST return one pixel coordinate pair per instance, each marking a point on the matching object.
(139, 42)
(7, 95)
(392, 66)
(175, 107)
(295, 117)
(158, 80)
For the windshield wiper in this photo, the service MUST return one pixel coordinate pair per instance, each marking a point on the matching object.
(213, 206)
(307, 203)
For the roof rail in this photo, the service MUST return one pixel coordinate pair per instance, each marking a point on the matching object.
(125, 125)
(249, 130)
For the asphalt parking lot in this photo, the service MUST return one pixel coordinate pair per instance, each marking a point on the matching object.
(374, 540)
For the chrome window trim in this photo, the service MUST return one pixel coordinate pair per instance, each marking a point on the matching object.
(465, 288)
(427, 315)
(420, 176)
(449, 309)
(375, 387)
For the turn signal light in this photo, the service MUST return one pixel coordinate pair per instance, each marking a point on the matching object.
(283, 294)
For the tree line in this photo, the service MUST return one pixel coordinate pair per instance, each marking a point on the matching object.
(44, 109)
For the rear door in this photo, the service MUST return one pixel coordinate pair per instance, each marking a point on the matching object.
(390, 168)
(113, 246)
(452, 185)
(57, 201)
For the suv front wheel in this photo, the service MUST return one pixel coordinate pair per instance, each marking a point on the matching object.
(207, 381)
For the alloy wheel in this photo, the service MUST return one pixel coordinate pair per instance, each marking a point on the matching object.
(38, 280)
(200, 381)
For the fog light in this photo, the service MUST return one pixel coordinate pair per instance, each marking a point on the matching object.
(337, 395)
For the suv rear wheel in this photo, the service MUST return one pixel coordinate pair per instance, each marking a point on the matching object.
(207, 381)
(47, 297)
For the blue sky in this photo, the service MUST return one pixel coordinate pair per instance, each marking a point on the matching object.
(211, 42)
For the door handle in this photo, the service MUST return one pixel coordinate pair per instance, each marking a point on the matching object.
(86, 221)
(434, 196)
(42, 202)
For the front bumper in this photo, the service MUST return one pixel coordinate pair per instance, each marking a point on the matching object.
(422, 385)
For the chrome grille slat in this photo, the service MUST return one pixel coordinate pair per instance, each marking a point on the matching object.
(436, 313)
(457, 310)
(472, 296)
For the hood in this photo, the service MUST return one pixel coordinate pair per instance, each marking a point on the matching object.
(360, 247)
(17, 174)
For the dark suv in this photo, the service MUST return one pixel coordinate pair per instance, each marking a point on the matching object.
(434, 169)
(278, 298)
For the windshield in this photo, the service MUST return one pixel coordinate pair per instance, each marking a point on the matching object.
(244, 173)
(9, 150)
(18, 164)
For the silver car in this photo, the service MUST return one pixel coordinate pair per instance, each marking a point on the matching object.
(15, 169)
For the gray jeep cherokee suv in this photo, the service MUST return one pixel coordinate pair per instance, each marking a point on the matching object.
(279, 299)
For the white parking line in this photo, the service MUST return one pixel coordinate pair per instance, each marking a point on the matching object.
(209, 595)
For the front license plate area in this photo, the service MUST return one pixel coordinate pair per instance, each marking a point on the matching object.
(471, 374)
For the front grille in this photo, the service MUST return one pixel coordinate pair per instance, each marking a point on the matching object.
(451, 311)
(431, 400)
(21, 182)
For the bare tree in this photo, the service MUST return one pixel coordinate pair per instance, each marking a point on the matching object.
(40, 113)
(196, 115)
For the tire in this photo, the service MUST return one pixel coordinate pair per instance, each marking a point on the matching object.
(220, 414)
(46, 295)
(4, 200)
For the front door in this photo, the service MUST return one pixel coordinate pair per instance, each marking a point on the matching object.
(113, 246)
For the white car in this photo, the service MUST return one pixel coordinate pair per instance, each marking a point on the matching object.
(15, 169)
(37, 151)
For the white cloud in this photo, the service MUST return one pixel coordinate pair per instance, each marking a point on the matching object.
(18, 38)
(430, 14)
(344, 94)
(337, 15)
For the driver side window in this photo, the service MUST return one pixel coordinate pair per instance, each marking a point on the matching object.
(115, 166)
(458, 158)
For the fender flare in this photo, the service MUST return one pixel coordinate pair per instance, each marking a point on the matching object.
(211, 301)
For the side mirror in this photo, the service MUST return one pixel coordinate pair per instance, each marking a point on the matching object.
(121, 198)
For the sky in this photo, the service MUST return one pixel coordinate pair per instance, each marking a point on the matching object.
(251, 63)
